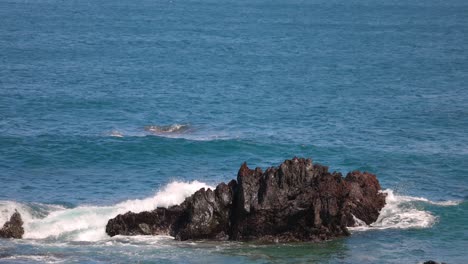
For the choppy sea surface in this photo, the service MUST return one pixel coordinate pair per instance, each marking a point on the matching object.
(110, 106)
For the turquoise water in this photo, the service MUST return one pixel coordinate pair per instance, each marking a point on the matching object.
(107, 106)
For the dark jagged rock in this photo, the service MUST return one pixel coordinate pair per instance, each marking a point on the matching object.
(297, 201)
(433, 262)
(13, 228)
(363, 188)
(157, 222)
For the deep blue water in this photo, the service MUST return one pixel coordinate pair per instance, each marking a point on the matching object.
(379, 86)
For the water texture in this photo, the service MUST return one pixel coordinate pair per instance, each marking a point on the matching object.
(109, 106)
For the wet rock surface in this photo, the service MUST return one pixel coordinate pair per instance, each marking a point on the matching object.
(13, 228)
(297, 201)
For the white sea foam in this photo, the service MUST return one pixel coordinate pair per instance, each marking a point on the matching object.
(7, 208)
(115, 133)
(401, 212)
(33, 258)
(28, 211)
(87, 223)
(184, 131)
(174, 128)
(424, 200)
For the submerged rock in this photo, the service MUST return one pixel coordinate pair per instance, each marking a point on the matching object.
(297, 201)
(13, 228)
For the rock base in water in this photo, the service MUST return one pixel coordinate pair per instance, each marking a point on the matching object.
(13, 228)
(297, 201)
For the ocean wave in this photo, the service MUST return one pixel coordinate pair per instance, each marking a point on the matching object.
(115, 133)
(188, 132)
(174, 131)
(29, 211)
(400, 212)
(168, 129)
(87, 223)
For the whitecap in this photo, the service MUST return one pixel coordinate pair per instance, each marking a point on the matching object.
(188, 132)
(168, 129)
(87, 223)
(28, 211)
(115, 133)
(401, 212)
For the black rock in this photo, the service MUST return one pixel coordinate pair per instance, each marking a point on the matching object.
(13, 228)
(297, 201)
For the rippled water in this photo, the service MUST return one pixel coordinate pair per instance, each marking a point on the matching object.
(107, 106)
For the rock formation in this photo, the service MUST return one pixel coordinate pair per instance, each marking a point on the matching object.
(13, 228)
(297, 201)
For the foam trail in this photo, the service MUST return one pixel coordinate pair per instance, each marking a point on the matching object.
(399, 212)
(87, 223)
(424, 200)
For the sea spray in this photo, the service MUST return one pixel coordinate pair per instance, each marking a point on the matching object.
(174, 128)
(400, 212)
(87, 223)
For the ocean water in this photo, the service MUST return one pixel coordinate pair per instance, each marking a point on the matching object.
(110, 106)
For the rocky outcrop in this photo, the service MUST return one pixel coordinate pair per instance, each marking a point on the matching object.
(297, 201)
(364, 197)
(13, 228)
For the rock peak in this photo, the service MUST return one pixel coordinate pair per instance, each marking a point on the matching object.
(244, 170)
(14, 227)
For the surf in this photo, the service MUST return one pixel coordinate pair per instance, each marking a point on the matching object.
(87, 222)
(402, 212)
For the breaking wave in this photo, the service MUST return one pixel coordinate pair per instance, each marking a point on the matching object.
(174, 131)
(87, 223)
(188, 132)
(115, 133)
(169, 129)
(402, 212)
(178, 131)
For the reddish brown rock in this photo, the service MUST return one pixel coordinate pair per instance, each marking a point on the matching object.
(364, 201)
(297, 201)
